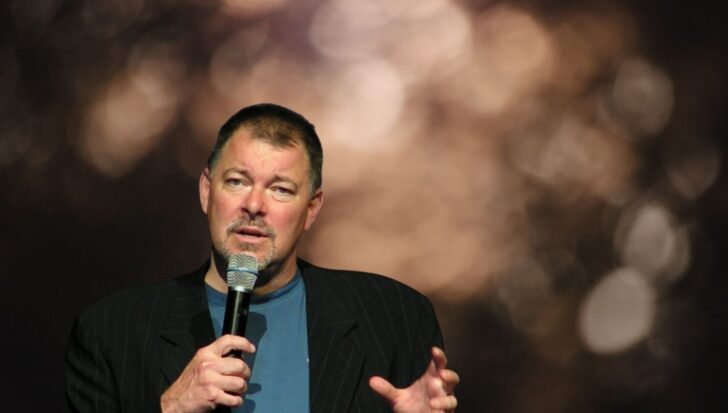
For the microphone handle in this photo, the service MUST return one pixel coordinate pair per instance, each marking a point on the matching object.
(236, 316)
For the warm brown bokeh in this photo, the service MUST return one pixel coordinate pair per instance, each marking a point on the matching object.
(551, 175)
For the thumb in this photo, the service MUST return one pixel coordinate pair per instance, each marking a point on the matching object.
(383, 388)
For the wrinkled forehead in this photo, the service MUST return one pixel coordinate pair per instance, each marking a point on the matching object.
(245, 142)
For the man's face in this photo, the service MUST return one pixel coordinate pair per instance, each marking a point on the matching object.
(258, 200)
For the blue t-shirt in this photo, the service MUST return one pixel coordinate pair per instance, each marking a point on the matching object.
(277, 326)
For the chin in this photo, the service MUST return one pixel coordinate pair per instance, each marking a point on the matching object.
(263, 254)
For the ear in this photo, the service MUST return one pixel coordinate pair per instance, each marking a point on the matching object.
(314, 206)
(204, 189)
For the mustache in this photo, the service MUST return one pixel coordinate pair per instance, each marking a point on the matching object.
(257, 223)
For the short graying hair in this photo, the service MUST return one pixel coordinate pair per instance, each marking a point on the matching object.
(279, 126)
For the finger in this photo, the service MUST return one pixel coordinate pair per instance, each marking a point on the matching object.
(229, 342)
(439, 357)
(450, 379)
(232, 384)
(212, 381)
(231, 366)
(213, 373)
(444, 403)
(228, 399)
(383, 388)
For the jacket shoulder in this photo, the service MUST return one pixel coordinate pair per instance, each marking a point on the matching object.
(395, 325)
(350, 279)
(138, 304)
(368, 293)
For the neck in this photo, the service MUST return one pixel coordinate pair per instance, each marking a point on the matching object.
(269, 280)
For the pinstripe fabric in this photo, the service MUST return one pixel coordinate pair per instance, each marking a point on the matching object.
(127, 349)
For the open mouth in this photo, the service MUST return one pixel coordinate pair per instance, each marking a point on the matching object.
(251, 232)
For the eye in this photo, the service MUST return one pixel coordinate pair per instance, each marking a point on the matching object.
(234, 182)
(282, 191)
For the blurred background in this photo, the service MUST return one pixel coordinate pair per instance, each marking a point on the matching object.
(551, 174)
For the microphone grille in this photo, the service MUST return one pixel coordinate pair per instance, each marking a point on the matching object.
(242, 272)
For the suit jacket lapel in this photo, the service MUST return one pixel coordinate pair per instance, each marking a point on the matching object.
(335, 355)
(188, 326)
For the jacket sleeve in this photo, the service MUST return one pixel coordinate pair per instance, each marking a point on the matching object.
(90, 385)
(427, 335)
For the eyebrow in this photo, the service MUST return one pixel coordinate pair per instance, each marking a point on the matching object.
(244, 172)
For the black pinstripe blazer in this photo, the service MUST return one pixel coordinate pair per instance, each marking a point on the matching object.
(125, 350)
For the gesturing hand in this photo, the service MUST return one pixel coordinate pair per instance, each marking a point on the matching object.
(210, 379)
(433, 392)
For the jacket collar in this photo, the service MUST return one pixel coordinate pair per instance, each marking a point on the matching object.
(336, 359)
(188, 326)
(335, 356)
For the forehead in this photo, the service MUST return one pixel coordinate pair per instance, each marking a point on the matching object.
(244, 146)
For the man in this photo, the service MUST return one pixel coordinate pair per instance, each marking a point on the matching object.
(317, 340)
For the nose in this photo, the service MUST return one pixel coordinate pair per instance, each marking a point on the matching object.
(254, 202)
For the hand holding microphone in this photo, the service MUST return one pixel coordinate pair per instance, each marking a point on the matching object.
(212, 378)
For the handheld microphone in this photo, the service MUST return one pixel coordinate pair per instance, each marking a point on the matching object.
(242, 272)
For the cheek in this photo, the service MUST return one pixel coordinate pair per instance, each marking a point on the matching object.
(286, 221)
(222, 211)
